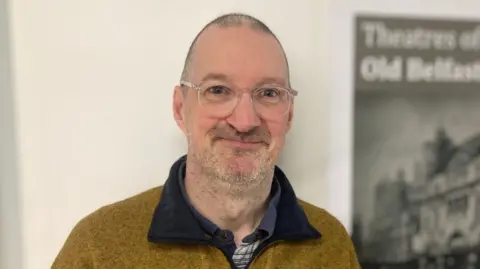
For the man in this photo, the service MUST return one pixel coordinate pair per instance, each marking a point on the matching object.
(225, 204)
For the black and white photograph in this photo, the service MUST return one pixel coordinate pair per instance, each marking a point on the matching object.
(416, 163)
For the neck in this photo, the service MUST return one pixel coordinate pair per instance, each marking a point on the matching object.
(238, 208)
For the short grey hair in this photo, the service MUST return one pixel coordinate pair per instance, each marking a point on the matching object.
(232, 20)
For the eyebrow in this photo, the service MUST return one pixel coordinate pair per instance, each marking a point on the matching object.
(263, 81)
(215, 76)
(272, 80)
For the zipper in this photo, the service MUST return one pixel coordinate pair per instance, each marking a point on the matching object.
(266, 245)
(260, 250)
(194, 241)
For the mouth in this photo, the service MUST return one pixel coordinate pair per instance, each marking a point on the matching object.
(241, 144)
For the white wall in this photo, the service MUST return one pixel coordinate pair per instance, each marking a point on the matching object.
(93, 85)
(10, 232)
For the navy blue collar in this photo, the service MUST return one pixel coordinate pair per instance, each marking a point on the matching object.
(266, 226)
(174, 222)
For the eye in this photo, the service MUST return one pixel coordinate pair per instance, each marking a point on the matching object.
(217, 93)
(270, 92)
(217, 90)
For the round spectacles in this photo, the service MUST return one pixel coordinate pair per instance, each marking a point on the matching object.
(219, 100)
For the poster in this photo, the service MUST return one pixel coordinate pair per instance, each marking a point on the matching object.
(416, 174)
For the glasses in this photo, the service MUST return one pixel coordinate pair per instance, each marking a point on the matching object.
(218, 99)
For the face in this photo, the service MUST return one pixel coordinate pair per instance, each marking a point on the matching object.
(242, 147)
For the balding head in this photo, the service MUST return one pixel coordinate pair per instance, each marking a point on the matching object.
(228, 21)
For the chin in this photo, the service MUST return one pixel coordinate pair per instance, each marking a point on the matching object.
(236, 164)
(241, 164)
(244, 167)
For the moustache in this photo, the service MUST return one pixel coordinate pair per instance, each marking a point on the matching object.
(255, 135)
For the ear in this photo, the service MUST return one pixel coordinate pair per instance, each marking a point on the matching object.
(178, 107)
(290, 118)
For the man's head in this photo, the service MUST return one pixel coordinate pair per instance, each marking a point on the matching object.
(234, 102)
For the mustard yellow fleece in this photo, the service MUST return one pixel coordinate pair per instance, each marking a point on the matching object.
(115, 237)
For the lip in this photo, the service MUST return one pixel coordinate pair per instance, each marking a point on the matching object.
(240, 144)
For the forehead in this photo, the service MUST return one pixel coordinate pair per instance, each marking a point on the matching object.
(240, 54)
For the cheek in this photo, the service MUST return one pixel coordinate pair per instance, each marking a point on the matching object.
(198, 130)
(277, 132)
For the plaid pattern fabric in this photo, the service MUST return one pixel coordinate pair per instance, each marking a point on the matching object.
(244, 253)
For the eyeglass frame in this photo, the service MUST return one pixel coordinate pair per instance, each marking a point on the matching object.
(183, 83)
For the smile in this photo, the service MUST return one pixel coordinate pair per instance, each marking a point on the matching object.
(241, 144)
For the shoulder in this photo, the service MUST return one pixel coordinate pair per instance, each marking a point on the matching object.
(136, 210)
(130, 216)
(327, 224)
(334, 234)
(126, 220)
(141, 202)
(334, 238)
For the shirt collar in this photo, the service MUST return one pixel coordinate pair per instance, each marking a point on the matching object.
(174, 222)
(266, 226)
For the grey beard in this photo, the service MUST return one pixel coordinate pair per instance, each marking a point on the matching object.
(211, 166)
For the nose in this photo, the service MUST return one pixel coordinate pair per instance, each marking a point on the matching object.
(244, 117)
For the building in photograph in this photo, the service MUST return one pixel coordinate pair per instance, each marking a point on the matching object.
(433, 217)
